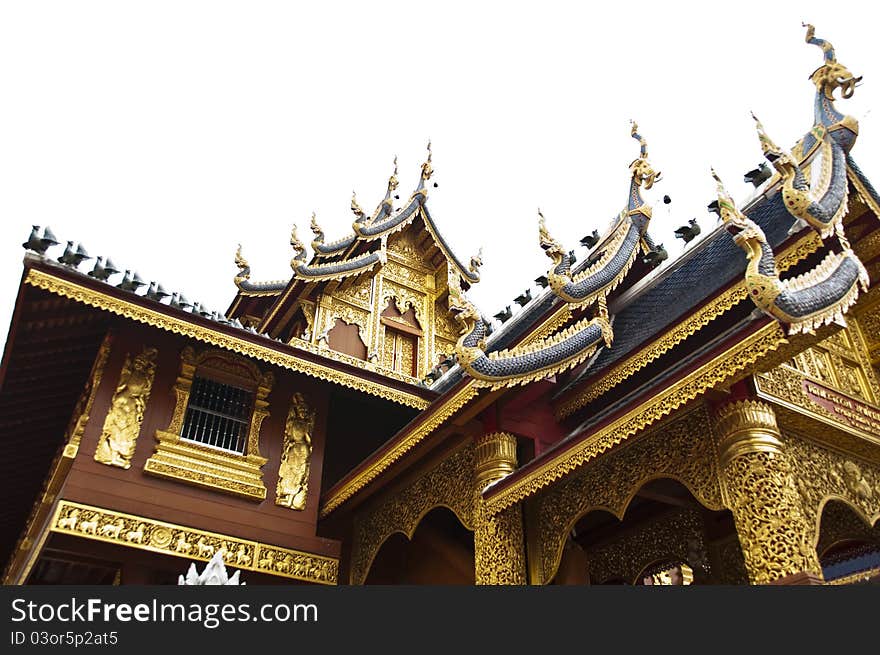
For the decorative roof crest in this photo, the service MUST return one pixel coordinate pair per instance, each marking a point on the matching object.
(642, 172)
(832, 74)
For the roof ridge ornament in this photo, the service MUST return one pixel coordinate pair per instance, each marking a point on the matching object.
(832, 74)
(317, 231)
(616, 251)
(244, 268)
(822, 209)
(642, 172)
(356, 209)
(522, 364)
(802, 304)
(299, 250)
(427, 168)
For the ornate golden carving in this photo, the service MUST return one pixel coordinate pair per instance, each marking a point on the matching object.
(188, 461)
(349, 314)
(358, 293)
(728, 565)
(450, 484)
(499, 549)
(495, 456)
(759, 488)
(118, 439)
(726, 368)
(682, 330)
(790, 387)
(435, 418)
(681, 449)
(675, 536)
(100, 524)
(746, 426)
(241, 345)
(823, 474)
(296, 454)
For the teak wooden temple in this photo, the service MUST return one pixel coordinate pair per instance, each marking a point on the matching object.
(712, 421)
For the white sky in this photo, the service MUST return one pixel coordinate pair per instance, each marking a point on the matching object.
(164, 133)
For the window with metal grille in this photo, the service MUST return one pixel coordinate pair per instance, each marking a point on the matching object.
(218, 415)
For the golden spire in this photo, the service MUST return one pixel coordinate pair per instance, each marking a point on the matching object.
(767, 145)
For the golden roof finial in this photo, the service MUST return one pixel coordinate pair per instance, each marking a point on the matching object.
(392, 181)
(641, 169)
(476, 261)
(240, 261)
(297, 245)
(427, 168)
(356, 208)
(831, 74)
(767, 145)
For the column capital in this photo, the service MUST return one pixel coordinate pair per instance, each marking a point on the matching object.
(494, 456)
(746, 426)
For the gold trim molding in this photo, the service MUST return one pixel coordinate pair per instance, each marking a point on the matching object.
(132, 531)
(135, 312)
(715, 372)
(438, 417)
(195, 463)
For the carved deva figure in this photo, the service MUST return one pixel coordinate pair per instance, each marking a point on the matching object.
(123, 423)
(803, 303)
(293, 473)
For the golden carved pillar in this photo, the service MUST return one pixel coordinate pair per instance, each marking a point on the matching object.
(759, 488)
(499, 547)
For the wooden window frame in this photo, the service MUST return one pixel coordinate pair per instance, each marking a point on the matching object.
(207, 466)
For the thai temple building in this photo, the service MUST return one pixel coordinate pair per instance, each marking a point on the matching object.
(714, 420)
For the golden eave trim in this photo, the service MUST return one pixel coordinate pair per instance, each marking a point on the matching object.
(719, 369)
(93, 298)
(142, 533)
(687, 328)
(438, 417)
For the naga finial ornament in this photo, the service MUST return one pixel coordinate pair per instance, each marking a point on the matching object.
(393, 181)
(356, 209)
(317, 231)
(821, 209)
(427, 168)
(522, 364)
(619, 247)
(642, 171)
(299, 250)
(832, 74)
(804, 303)
(476, 262)
(244, 269)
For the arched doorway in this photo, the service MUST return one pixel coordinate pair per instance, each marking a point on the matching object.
(441, 551)
(848, 546)
(664, 532)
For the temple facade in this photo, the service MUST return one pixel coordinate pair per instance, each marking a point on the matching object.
(711, 420)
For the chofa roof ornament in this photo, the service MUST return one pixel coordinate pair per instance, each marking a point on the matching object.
(831, 75)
